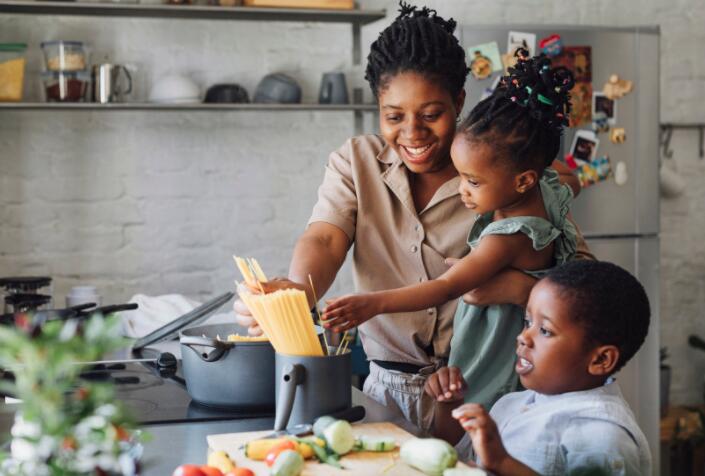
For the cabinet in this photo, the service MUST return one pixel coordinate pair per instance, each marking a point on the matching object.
(356, 18)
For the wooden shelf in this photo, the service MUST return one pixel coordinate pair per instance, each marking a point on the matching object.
(88, 106)
(202, 12)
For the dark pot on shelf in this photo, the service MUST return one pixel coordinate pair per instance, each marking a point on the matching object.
(226, 374)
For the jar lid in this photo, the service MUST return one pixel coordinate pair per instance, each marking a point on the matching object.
(13, 47)
(25, 282)
(83, 75)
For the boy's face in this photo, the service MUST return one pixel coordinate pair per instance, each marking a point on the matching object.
(552, 355)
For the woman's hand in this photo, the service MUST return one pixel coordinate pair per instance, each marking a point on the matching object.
(276, 284)
(446, 385)
(244, 318)
(510, 286)
(346, 312)
(484, 434)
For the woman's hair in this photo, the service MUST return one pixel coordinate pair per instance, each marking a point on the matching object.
(607, 301)
(419, 41)
(524, 117)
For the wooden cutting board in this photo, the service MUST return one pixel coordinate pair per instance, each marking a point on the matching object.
(363, 463)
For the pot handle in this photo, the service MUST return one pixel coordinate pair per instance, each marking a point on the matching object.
(219, 347)
(292, 376)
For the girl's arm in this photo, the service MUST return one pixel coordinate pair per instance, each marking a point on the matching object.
(494, 253)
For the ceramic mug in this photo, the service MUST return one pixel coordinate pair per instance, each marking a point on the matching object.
(333, 90)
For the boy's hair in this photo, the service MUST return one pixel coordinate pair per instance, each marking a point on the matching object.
(523, 119)
(608, 302)
(420, 41)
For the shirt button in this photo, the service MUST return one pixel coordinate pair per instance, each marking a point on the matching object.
(430, 311)
(414, 248)
(420, 279)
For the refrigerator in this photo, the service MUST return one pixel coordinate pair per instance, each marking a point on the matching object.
(620, 222)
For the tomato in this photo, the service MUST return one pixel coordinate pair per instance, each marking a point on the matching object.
(240, 472)
(188, 470)
(211, 471)
(274, 452)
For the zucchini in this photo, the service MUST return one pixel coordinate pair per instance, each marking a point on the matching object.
(339, 437)
(365, 443)
(429, 455)
(288, 463)
(321, 423)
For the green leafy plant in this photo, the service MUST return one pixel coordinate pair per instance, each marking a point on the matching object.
(65, 425)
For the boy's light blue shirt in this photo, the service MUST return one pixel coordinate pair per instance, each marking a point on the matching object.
(559, 434)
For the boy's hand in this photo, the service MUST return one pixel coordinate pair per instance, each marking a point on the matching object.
(349, 311)
(446, 385)
(485, 437)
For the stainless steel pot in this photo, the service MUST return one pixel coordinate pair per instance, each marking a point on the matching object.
(227, 374)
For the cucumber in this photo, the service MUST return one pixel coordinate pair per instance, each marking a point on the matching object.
(365, 443)
(464, 472)
(321, 423)
(288, 463)
(339, 437)
(429, 455)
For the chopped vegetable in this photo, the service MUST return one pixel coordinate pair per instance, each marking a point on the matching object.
(188, 470)
(273, 453)
(288, 463)
(220, 460)
(241, 472)
(211, 471)
(464, 472)
(321, 423)
(258, 449)
(365, 443)
(339, 437)
(429, 455)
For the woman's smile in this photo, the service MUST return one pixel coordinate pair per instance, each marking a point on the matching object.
(419, 154)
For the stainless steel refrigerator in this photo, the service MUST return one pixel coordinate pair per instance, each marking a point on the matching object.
(620, 222)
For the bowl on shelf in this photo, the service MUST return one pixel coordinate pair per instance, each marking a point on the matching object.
(278, 88)
(65, 86)
(174, 89)
(226, 93)
(63, 55)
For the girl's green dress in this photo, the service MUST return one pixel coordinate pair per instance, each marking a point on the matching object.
(483, 345)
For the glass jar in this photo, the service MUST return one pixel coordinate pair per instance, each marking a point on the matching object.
(69, 86)
(12, 66)
(63, 55)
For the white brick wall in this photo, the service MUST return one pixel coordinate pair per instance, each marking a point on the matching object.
(157, 202)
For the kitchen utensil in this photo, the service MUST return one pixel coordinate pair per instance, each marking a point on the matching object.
(64, 55)
(175, 89)
(60, 86)
(227, 374)
(23, 302)
(310, 386)
(82, 294)
(226, 93)
(111, 82)
(351, 415)
(278, 88)
(12, 66)
(333, 89)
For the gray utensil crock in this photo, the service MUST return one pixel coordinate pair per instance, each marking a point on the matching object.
(308, 387)
(227, 374)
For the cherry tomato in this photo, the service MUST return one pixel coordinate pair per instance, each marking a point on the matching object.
(188, 470)
(274, 452)
(211, 471)
(240, 472)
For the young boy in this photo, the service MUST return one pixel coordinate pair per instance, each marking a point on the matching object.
(583, 322)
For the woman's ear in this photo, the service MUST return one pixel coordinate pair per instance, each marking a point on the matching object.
(525, 181)
(603, 361)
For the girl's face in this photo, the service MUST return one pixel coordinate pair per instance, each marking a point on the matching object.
(486, 184)
(417, 119)
(552, 356)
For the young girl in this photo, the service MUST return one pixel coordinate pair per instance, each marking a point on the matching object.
(502, 152)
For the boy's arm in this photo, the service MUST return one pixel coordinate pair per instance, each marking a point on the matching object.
(494, 253)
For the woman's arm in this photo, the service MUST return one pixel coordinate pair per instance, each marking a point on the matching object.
(494, 253)
(566, 176)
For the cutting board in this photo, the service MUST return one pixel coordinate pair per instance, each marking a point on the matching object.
(364, 462)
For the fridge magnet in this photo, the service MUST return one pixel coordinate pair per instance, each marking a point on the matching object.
(487, 92)
(620, 173)
(581, 101)
(584, 146)
(601, 103)
(570, 161)
(616, 87)
(484, 59)
(578, 59)
(518, 39)
(618, 135)
(551, 45)
(599, 122)
(508, 61)
(595, 171)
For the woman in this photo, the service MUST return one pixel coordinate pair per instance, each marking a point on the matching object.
(395, 198)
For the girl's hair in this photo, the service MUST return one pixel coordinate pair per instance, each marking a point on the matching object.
(524, 117)
(420, 41)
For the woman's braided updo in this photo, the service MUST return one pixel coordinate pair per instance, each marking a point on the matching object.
(420, 41)
(524, 117)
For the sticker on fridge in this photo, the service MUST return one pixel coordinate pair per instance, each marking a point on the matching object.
(484, 59)
(578, 59)
(603, 104)
(584, 146)
(581, 105)
(594, 171)
(518, 39)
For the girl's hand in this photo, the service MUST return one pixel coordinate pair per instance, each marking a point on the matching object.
(346, 312)
(485, 436)
(446, 385)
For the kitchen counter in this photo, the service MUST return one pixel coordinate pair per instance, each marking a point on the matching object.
(180, 443)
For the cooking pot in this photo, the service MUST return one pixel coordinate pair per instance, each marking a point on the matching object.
(226, 93)
(278, 88)
(226, 374)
